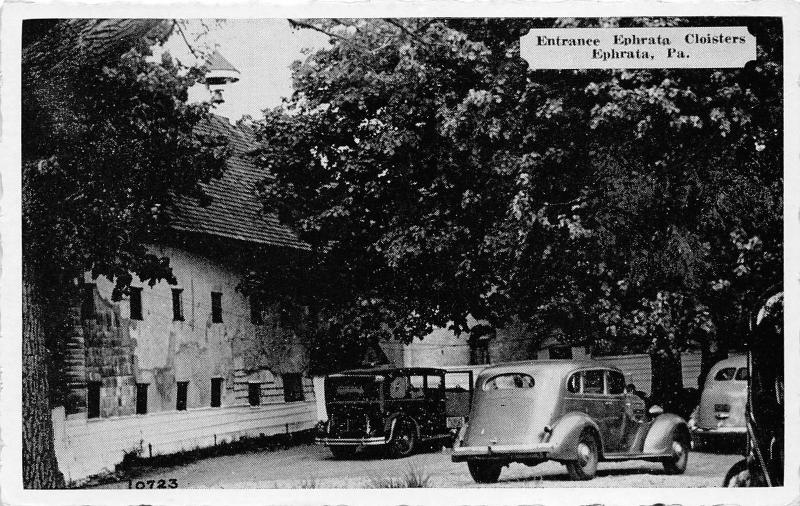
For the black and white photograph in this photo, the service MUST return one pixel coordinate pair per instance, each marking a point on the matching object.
(438, 252)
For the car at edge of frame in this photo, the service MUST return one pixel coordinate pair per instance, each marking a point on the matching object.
(576, 412)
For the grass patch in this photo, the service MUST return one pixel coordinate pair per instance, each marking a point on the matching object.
(413, 478)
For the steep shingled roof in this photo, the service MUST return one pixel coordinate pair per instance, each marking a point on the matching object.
(235, 211)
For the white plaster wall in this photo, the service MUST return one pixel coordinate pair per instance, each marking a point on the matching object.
(193, 350)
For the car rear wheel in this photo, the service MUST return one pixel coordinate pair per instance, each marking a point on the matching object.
(680, 454)
(738, 475)
(585, 467)
(343, 452)
(404, 441)
(484, 472)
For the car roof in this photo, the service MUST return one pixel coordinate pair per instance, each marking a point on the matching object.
(735, 361)
(556, 367)
(388, 370)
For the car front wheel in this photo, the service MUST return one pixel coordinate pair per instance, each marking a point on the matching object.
(404, 441)
(484, 472)
(585, 467)
(680, 454)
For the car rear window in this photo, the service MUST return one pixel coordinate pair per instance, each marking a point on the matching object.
(725, 374)
(741, 374)
(593, 382)
(509, 381)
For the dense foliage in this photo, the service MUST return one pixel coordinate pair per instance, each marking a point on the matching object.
(107, 140)
(437, 176)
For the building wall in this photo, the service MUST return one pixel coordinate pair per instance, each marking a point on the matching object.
(118, 352)
(443, 347)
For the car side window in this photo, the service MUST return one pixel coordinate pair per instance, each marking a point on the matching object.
(574, 383)
(416, 388)
(616, 383)
(434, 385)
(725, 374)
(593, 382)
(741, 374)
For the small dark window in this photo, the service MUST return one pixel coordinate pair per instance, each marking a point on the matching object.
(93, 400)
(593, 382)
(183, 387)
(741, 374)
(255, 311)
(177, 304)
(216, 307)
(216, 392)
(479, 352)
(725, 374)
(136, 303)
(616, 383)
(561, 352)
(509, 381)
(574, 383)
(87, 301)
(293, 388)
(254, 393)
(141, 398)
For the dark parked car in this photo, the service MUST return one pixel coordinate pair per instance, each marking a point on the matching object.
(394, 408)
(574, 412)
(763, 460)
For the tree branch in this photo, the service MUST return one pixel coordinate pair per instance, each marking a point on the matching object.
(301, 24)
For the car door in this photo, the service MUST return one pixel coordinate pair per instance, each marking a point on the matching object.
(435, 404)
(595, 398)
(458, 387)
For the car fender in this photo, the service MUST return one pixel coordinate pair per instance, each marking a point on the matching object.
(659, 436)
(391, 423)
(566, 433)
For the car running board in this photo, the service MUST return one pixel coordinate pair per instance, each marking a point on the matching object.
(638, 456)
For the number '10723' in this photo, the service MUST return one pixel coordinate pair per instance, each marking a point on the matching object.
(169, 483)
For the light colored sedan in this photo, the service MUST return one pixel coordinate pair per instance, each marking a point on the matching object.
(573, 412)
(721, 411)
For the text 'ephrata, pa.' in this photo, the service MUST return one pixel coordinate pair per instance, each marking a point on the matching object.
(661, 47)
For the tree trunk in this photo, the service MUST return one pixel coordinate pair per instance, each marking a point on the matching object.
(667, 378)
(39, 464)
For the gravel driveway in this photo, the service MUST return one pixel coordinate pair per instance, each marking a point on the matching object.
(311, 466)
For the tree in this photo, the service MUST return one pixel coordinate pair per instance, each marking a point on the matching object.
(435, 175)
(107, 142)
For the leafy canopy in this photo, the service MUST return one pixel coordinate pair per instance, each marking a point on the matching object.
(107, 141)
(437, 176)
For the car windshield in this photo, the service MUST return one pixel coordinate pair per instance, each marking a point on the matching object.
(509, 381)
(725, 374)
(354, 388)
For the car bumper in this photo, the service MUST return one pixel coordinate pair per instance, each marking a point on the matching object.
(360, 441)
(501, 452)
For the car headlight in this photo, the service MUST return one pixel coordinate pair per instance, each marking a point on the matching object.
(322, 427)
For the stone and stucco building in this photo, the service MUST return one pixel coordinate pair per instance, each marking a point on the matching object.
(172, 367)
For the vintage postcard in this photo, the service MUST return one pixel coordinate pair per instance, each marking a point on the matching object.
(400, 253)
